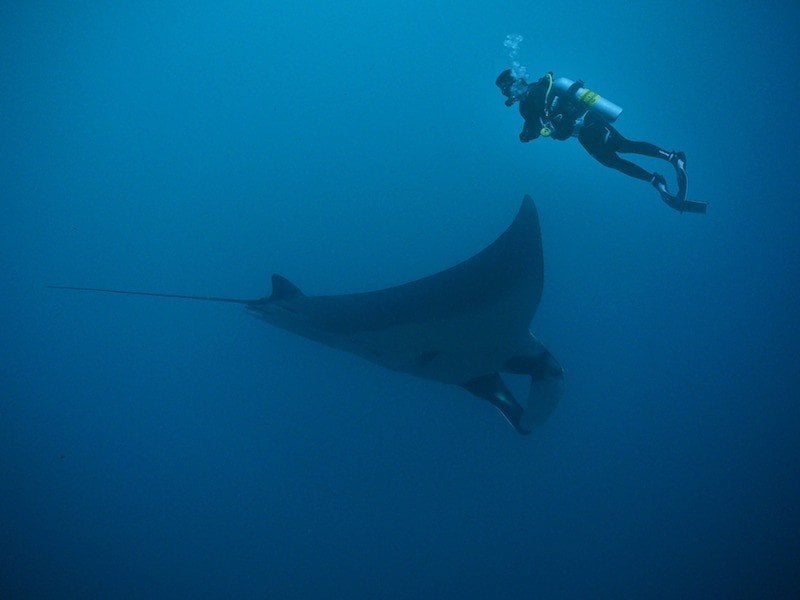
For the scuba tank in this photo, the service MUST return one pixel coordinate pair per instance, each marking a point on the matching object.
(584, 97)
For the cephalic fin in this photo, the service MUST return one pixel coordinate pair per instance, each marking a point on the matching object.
(491, 388)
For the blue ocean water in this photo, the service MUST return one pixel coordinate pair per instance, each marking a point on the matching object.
(154, 448)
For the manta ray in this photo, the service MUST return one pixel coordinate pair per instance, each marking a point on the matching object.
(462, 326)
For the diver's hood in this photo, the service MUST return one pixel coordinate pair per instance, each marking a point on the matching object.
(506, 81)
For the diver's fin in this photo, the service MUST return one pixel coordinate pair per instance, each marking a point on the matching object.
(694, 206)
(491, 388)
(678, 201)
(678, 161)
(682, 205)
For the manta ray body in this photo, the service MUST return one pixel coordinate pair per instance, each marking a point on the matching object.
(462, 326)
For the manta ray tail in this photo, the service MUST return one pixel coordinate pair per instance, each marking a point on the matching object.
(156, 294)
(282, 289)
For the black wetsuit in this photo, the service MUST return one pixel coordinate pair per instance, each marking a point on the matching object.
(603, 141)
(599, 137)
(558, 115)
(540, 110)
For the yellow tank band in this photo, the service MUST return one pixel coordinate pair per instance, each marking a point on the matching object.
(589, 98)
(544, 131)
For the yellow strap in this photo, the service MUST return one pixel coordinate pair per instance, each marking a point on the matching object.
(549, 87)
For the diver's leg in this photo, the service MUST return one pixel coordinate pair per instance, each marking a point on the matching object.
(676, 158)
(626, 146)
(602, 141)
(604, 154)
(629, 168)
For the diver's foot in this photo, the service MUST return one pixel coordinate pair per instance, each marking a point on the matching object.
(678, 159)
(659, 182)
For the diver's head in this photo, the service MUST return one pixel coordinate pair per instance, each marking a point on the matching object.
(509, 86)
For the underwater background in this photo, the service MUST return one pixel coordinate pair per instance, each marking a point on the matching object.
(160, 448)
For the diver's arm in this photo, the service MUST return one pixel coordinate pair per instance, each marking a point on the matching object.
(529, 132)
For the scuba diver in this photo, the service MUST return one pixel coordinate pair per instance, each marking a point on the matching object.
(562, 108)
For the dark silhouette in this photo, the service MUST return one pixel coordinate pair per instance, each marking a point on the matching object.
(561, 108)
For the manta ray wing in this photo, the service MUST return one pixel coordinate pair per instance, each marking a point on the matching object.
(461, 326)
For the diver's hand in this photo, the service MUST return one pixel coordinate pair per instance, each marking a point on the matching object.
(528, 133)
